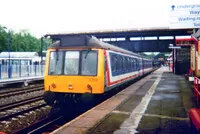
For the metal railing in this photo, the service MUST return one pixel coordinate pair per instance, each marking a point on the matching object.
(21, 71)
(197, 90)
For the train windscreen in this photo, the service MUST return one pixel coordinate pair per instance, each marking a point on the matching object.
(71, 62)
(71, 65)
(56, 63)
(89, 62)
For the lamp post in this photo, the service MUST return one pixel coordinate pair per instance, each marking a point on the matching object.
(42, 44)
(9, 67)
(41, 48)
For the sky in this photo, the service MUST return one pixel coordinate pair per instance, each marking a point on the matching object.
(41, 17)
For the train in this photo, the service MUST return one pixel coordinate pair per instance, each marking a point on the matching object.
(81, 67)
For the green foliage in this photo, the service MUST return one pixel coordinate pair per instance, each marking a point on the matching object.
(3, 39)
(21, 41)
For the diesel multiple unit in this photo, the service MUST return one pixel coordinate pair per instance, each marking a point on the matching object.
(78, 66)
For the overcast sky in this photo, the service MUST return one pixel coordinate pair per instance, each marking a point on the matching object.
(46, 16)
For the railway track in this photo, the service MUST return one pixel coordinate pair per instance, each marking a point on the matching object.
(53, 121)
(8, 93)
(20, 103)
(56, 120)
(23, 114)
(52, 124)
(43, 125)
(19, 96)
(13, 110)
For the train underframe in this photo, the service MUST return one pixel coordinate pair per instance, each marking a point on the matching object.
(56, 98)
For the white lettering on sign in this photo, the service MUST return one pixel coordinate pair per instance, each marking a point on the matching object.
(185, 16)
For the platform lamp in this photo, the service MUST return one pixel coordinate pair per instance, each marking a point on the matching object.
(41, 48)
(9, 67)
(43, 43)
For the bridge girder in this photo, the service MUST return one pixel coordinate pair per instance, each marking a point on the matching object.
(145, 45)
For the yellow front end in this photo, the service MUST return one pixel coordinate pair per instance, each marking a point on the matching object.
(76, 83)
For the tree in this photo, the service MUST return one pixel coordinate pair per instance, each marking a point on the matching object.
(3, 39)
(21, 41)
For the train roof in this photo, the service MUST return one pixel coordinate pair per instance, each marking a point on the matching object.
(85, 41)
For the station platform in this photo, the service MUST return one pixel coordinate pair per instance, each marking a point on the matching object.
(21, 80)
(158, 103)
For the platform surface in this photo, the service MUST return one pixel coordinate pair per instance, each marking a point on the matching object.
(21, 79)
(157, 104)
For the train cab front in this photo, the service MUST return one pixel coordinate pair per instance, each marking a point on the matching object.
(72, 73)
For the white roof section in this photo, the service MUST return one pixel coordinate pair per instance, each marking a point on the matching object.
(19, 54)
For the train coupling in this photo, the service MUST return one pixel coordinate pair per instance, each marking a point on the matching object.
(49, 97)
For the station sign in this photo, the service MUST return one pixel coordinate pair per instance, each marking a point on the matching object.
(175, 47)
(185, 42)
(184, 16)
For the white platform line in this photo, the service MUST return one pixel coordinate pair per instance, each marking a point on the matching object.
(153, 115)
(130, 125)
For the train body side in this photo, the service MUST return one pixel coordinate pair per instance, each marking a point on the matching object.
(121, 68)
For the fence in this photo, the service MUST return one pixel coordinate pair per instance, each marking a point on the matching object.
(21, 71)
(197, 90)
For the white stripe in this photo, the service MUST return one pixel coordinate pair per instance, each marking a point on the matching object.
(133, 121)
(122, 76)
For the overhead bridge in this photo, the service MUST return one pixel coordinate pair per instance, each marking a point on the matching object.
(136, 40)
(144, 45)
